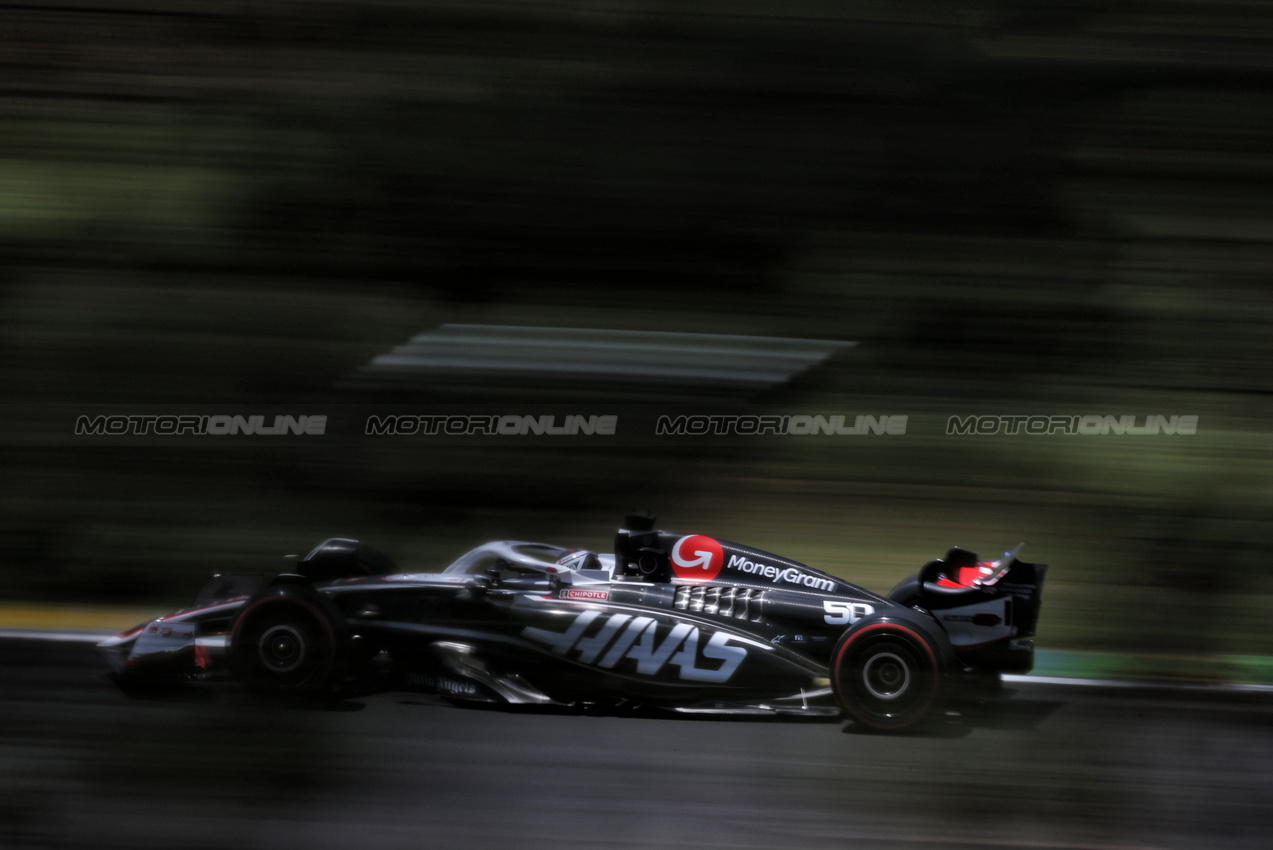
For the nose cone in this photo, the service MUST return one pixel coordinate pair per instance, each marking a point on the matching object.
(116, 650)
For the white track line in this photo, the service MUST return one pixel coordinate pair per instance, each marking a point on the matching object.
(1196, 687)
(55, 636)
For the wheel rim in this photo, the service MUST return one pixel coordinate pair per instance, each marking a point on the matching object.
(282, 648)
(886, 676)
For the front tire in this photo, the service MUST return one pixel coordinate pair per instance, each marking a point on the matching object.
(288, 642)
(887, 675)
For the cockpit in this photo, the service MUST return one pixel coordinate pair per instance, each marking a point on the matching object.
(588, 566)
(530, 565)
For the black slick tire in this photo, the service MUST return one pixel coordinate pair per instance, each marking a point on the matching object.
(888, 675)
(288, 641)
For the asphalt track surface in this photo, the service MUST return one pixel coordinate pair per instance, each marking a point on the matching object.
(1047, 766)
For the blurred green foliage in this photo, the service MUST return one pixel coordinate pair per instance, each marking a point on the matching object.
(1013, 207)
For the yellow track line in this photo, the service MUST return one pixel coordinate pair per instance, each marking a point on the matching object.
(74, 617)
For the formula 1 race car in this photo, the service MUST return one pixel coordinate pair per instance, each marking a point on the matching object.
(683, 622)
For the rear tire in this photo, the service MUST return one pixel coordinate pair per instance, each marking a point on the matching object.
(887, 675)
(288, 641)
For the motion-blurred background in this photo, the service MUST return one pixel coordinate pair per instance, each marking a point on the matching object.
(1012, 208)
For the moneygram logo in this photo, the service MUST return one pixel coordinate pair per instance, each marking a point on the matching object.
(697, 558)
(789, 575)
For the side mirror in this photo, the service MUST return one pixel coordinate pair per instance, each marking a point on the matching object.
(496, 571)
(557, 579)
(477, 588)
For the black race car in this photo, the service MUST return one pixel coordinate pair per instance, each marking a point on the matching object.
(683, 622)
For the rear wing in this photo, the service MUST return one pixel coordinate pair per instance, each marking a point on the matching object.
(998, 569)
(1024, 582)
